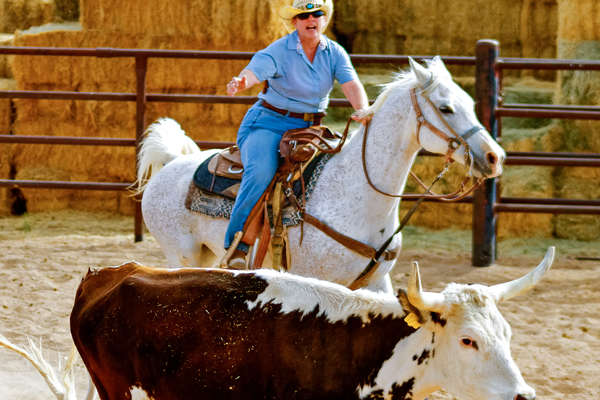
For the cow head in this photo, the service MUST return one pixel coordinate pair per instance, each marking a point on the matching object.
(469, 354)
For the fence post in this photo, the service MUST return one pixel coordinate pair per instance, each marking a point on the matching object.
(486, 96)
(141, 69)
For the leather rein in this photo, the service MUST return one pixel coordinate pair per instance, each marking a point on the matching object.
(454, 142)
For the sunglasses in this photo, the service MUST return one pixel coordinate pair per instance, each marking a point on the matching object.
(316, 14)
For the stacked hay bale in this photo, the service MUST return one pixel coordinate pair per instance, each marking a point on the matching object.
(22, 14)
(525, 27)
(579, 37)
(528, 134)
(242, 25)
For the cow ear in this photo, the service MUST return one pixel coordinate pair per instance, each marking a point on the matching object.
(414, 317)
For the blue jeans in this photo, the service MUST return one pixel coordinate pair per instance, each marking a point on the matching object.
(258, 139)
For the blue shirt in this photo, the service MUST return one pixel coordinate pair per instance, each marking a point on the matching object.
(296, 84)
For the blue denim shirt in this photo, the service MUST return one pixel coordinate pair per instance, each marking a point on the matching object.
(296, 84)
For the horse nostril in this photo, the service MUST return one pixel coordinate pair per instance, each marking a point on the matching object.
(492, 159)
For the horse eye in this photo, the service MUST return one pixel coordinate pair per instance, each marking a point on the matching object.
(446, 109)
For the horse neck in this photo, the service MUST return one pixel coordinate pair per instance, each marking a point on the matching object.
(391, 149)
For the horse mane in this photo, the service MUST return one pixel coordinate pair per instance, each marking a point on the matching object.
(405, 79)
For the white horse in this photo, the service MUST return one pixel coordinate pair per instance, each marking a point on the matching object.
(342, 197)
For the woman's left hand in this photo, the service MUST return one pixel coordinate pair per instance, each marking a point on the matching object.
(236, 84)
(363, 116)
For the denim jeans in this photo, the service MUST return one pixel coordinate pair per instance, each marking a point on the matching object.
(258, 139)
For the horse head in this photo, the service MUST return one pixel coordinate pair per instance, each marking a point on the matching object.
(447, 124)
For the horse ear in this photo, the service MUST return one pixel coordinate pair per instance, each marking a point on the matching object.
(439, 65)
(423, 75)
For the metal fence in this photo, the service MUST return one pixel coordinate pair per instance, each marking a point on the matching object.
(488, 65)
(487, 202)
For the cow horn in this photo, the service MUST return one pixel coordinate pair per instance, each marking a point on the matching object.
(424, 301)
(507, 290)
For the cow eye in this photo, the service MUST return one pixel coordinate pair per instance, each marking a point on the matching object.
(446, 109)
(468, 342)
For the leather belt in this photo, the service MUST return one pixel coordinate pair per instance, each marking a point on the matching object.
(315, 118)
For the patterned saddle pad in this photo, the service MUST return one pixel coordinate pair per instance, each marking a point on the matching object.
(200, 199)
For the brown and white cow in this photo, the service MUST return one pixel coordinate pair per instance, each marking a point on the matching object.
(214, 334)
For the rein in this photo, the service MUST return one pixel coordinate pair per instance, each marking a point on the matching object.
(365, 276)
(454, 144)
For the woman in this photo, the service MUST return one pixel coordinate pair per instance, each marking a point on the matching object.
(299, 70)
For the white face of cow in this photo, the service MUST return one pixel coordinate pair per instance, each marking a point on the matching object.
(472, 356)
(467, 341)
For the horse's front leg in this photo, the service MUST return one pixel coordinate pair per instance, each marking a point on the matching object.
(384, 285)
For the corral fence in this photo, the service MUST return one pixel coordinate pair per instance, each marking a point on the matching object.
(487, 202)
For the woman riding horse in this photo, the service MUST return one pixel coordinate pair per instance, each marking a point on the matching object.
(299, 71)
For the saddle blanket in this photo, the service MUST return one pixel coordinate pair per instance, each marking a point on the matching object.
(200, 200)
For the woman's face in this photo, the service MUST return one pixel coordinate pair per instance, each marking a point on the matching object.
(311, 27)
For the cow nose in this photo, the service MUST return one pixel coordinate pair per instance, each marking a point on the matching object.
(525, 397)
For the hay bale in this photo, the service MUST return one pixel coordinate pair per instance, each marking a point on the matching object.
(119, 24)
(233, 24)
(22, 14)
(527, 91)
(579, 37)
(532, 182)
(436, 215)
(6, 106)
(7, 149)
(5, 70)
(67, 10)
(434, 27)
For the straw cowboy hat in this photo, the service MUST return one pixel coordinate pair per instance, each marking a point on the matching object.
(305, 6)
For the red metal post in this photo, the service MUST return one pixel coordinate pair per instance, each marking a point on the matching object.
(141, 69)
(486, 92)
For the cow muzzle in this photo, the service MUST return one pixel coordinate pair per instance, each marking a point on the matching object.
(527, 394)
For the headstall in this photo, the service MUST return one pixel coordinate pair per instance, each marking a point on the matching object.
(454, 141)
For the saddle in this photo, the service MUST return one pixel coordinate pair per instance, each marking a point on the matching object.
(298, 149)
(264, 229)
(221, 173)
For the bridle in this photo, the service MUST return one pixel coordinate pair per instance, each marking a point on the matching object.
(454, 141)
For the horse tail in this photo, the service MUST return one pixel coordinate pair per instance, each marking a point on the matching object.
(164, 140)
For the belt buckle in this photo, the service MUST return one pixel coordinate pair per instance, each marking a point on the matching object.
(308, 117)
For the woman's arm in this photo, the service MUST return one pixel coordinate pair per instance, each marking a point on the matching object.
(246, 79)
(356, 95)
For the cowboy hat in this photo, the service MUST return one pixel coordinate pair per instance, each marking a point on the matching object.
(305, 6)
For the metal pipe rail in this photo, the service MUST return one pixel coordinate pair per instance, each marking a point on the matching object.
(487, 61)
(547, 64)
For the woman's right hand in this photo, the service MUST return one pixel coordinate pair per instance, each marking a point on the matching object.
(236, 84)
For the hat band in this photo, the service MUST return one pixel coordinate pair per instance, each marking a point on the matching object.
(311, 6)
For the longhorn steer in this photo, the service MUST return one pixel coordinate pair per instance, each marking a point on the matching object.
(217, 334)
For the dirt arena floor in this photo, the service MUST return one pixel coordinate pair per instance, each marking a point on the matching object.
(556, 326)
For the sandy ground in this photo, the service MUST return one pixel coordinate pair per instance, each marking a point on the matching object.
(556, 326)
